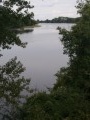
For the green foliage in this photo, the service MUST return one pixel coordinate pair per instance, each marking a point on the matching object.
(58, 105)
(11, 19)
(20, 3)
(77, 45)
(61, 20)
(39, 107)
(12, 84)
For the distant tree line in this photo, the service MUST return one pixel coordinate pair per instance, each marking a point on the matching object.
(60, 20)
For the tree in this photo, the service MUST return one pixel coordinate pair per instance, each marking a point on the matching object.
(77, 46)
(12, 84)
(76, 77)
(11, 19)
(11, 87)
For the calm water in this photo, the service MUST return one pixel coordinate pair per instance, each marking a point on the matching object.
(42, 57)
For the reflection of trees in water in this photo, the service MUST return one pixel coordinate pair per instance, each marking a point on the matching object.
(11, 82)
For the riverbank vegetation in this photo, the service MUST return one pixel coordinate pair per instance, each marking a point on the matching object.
(69, 99)
(60, 20)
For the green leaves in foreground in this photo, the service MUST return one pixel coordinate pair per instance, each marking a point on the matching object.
(12, 86)
(11, 20)
(58, 105)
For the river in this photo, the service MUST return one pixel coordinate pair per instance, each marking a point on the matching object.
(43, 55)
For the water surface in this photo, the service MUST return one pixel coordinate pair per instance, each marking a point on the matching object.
(42, 57)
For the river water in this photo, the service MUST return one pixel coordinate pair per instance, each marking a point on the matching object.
(43, 55)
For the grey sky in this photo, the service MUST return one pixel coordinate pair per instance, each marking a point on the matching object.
(48, 9)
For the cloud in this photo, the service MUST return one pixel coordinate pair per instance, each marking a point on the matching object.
(48, 9)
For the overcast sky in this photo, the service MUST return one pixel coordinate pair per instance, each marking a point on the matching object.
(48, 9)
